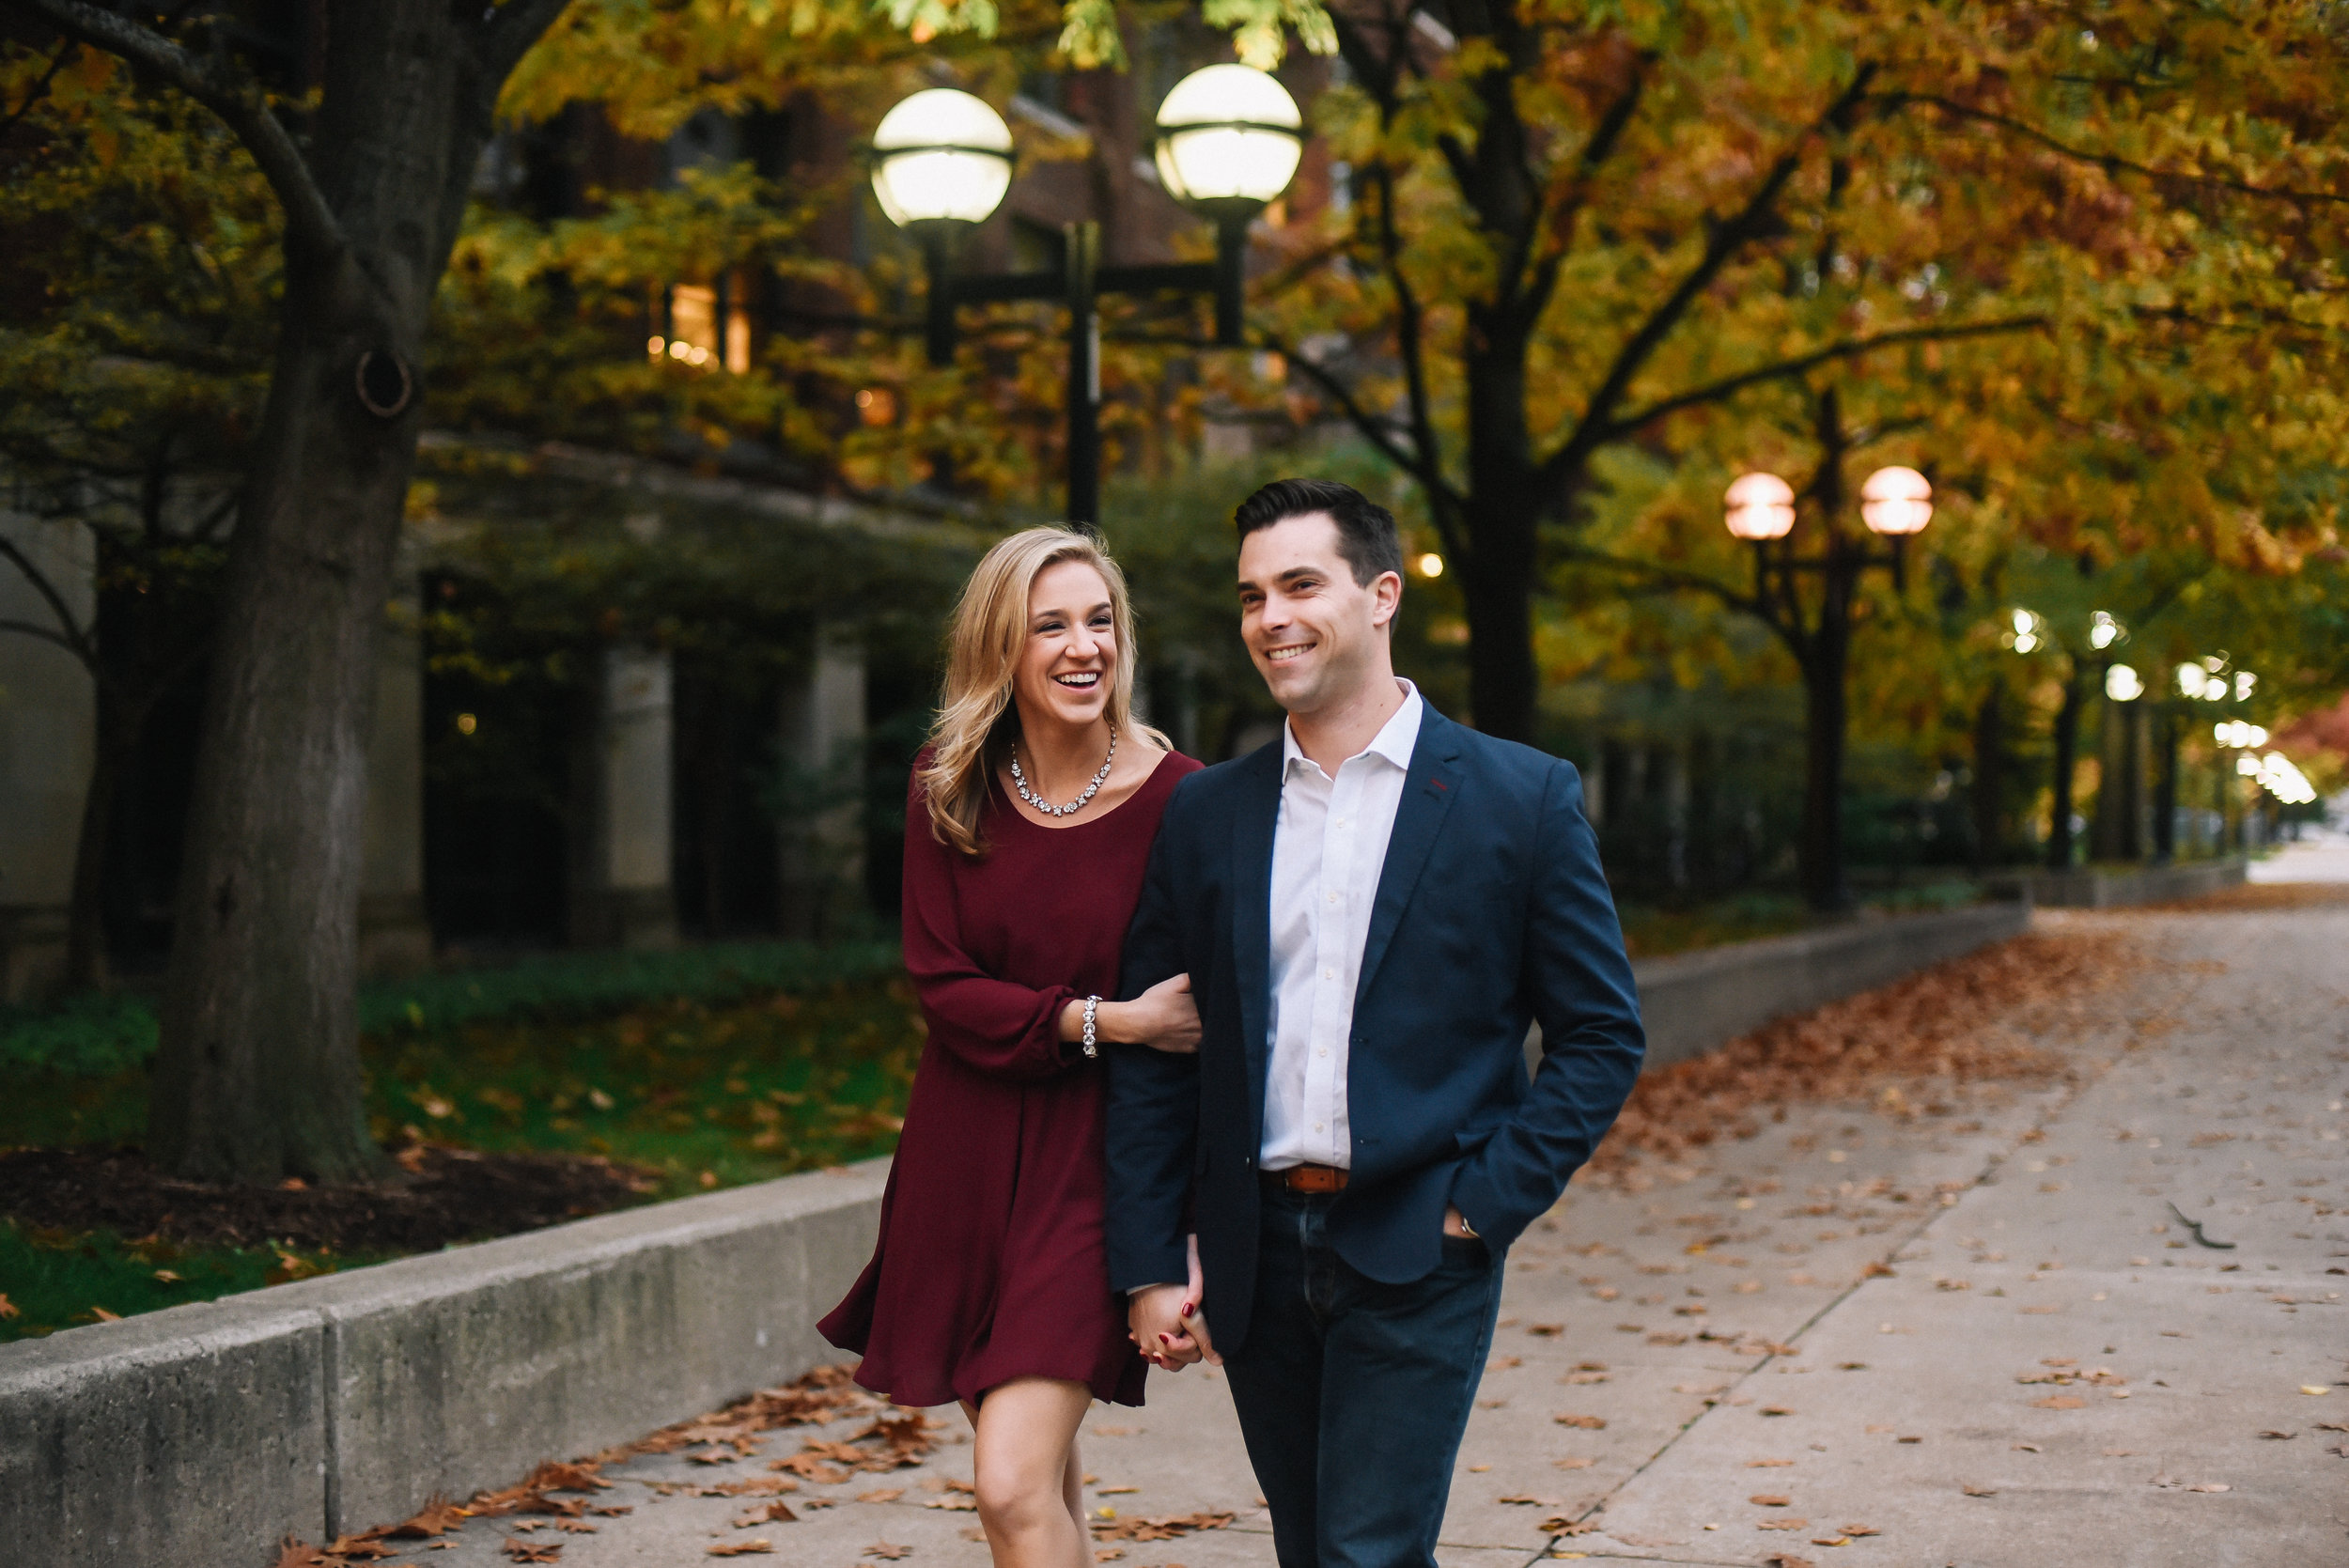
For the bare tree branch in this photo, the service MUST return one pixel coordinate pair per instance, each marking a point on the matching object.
(69, 633)
(1378, 431)
(49, 634)
(1725, 241)
(1850, 347)
(223, 89)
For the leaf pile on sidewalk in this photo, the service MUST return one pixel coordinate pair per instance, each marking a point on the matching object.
(1973, 1020)
(1165, 1527)
(895, 1440)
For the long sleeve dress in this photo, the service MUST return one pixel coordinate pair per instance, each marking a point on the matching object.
(989, 1265)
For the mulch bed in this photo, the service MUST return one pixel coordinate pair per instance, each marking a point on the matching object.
(435, 1196)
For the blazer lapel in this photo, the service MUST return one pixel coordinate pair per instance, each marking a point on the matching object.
(1252, 911)
(1428, 790)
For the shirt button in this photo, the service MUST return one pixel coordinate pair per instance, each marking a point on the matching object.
(1323, 1051)
(1329, 974)
(1316, 1126)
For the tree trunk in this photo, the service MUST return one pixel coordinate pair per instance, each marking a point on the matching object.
(1820, 850)
(86, 917)
(1989, 776)
(259, 1075)
(2067, 745)
(1504, 686)
(2166, 785)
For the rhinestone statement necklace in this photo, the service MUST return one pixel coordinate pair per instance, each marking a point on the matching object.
(1021, 781)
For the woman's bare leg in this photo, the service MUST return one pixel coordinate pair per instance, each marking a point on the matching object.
(1026, 1470)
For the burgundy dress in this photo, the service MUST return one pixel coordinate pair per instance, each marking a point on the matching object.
(989, 1265)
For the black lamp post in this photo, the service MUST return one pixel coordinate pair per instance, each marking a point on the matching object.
(1229, 141)
(1759, 509)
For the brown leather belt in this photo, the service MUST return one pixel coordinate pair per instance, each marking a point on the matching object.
(1310, 1178)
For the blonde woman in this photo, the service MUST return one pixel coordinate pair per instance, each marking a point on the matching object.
(1028, 824)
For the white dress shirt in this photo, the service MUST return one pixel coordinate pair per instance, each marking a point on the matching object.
(1329, 846)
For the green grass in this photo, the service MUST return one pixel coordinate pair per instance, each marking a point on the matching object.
(758, 1062)
(707, 1096)
(1650, 931)
(52, 1280)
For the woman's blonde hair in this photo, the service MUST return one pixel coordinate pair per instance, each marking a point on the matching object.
(978, 721)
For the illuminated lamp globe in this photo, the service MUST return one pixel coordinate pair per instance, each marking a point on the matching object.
(1896, 500)
(1229, 140)
(1761, 506)
(940, 159)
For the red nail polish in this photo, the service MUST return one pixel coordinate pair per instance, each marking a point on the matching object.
(1188, 1308)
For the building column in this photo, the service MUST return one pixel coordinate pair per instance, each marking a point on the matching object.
(394, 936)
(821, 834)
(621, 890)
(48, 741)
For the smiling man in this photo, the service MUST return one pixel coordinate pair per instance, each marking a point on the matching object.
(1371, 911)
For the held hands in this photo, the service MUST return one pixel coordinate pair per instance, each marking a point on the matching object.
(1167, 1326)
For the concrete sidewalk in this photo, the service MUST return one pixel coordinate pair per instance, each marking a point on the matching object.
(1976, 1338)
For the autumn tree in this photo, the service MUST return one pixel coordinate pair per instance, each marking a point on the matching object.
(142, 261)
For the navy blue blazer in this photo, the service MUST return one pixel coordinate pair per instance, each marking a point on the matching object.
(1491, 912)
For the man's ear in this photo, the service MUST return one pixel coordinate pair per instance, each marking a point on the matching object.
(1386, 594)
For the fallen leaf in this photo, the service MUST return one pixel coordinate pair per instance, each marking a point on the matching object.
(1973, 1491)
(2316, 1389)
(1545, 1330)
(2211, 1487)
(958, 1503)
(1776, 1410)
(1857, 1531)
(1575, 1464)
(1117, 1491)
(438, 1517)
(8, 1308)
(1106, 1554)
(104, 1316)
(2285, 1436)
(2026, 1448)
(1830, 1540)
(292, 1553)
(1788, 1559)
(756, 1547)
(1499, 1363)
(1784, 1524)
(533, 1551)
(773, 1514)
(881, 1494)
(2058, 1401)
(886, 1552)
(1529, 1498)
(1588, 1423)
(1769, 1500)
(1165, 1528)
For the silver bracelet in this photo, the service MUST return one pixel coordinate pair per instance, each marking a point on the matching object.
(1091, 1049)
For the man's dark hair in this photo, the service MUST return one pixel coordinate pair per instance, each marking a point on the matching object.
(1366, 536)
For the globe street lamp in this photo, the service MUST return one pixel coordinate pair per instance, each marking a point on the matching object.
(1230, 139)
(1761, 510)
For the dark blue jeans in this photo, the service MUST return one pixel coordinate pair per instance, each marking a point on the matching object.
(1353, 1394)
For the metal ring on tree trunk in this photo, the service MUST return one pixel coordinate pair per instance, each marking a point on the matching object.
(385, 384)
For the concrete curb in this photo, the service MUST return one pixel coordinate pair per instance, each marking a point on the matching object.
(2091, 888)
(204, 1433)
(1694, 1001)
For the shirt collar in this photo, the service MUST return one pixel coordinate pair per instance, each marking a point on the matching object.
(1394, 741)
